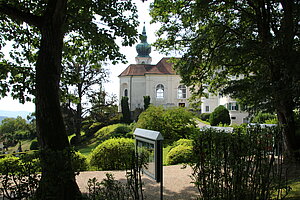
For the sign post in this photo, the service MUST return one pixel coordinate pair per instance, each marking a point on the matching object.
(151, 142)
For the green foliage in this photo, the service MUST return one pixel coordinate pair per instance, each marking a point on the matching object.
(34, 145)
(146, 102)
(174, 123)
(238, 165)
(14, 129)
(115, 130)
(233, 48)
(19, 176)
(219, 116)
(180, 154)
(113, 154)
(205, 116)
(103, 112)
(262, 118)
(126, 118)
(185, 142)
(109, 188)
(79, 162)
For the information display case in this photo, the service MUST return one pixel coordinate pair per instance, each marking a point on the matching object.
(150, 143)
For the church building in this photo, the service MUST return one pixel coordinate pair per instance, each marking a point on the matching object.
(159, 81)
(163, 85)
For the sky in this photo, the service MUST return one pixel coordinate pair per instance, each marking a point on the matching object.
(112, 87)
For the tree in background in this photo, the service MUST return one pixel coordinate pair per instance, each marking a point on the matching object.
(37, 30)
(219, 116)
(82, 71)
(173, 123)
(146, 102)
(13, 130)
(248, 49)
(103, 112)
(126, 116)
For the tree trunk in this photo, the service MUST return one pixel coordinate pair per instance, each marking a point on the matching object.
(286, 120)
(78, 120)
(58, 178)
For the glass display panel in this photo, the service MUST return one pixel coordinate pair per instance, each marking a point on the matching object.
(147, 149)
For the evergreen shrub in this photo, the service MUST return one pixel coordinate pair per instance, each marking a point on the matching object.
(79, 162)
(204, 116)
(114, 131)
(173, 123)
(112, 154)
(186, 142)
(219, 116)
(180, 154)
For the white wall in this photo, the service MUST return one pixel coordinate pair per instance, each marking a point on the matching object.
(139, 86)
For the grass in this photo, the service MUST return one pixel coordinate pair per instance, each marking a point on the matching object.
(204, 122)
(295, 192)
(25, 144)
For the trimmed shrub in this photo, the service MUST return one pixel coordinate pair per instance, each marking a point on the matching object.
(113, 154)
(79, 162)
(113, 131)
(180, 154)
(34, 145)
(185, 142)
(204, 116)
(219, 116)
(121, 131)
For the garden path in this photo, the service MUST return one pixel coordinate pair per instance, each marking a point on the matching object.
(177, 183)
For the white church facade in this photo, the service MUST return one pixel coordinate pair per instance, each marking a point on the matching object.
(163, 85)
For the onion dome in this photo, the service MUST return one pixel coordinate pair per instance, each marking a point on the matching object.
(143, 49)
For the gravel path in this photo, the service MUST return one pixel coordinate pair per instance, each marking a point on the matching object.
(177, 183)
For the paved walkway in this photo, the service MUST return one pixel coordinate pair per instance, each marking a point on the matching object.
(177, 183)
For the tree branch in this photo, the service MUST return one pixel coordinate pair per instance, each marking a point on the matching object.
(16, 14)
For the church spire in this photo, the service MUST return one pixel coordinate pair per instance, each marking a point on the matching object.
(143, 49)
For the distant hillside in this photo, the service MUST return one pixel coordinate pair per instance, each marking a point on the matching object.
(13, 114)
(1, 118)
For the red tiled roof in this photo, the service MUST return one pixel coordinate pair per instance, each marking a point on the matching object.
(162, 67)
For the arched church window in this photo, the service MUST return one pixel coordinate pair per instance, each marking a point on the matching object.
(181, 93)
(159, 91)
(126, 93)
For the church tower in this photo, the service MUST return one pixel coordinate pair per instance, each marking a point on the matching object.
(143, 49)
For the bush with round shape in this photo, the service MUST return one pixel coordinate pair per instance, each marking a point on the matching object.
(205, 116)
(79, 162)
(112, 154)
(186, 142)
(173, 123)
(219, 116)
(180, 154)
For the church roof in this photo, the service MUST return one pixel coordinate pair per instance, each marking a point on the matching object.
(162, 67)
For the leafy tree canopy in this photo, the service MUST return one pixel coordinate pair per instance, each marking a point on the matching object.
(248, 49)
(174, 123)
(97, 24)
